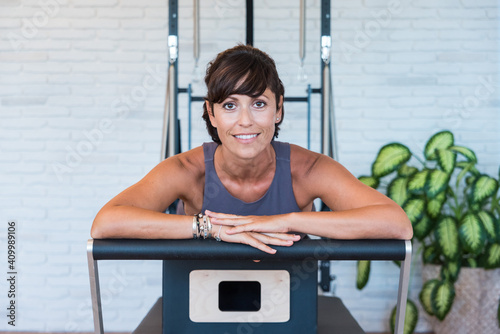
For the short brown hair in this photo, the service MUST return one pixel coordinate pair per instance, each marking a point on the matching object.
(224, 75)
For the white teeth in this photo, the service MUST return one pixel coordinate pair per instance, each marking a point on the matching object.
(245, 136)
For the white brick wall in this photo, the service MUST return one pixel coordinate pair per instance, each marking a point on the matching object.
(78, 124)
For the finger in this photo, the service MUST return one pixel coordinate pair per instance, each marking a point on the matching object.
(212, 214)
(250, 240)
(239, 228)
(266, 239)
(284, 236)
(231, 221)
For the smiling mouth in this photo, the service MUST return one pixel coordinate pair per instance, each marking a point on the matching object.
(246, 136)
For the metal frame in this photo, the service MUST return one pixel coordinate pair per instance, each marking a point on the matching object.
(171, 134)
(148, 249)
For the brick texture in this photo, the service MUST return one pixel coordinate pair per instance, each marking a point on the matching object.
(82, 88)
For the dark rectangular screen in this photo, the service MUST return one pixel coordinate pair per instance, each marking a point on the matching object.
(239, 296)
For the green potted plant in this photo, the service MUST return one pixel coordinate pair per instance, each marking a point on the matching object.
(454, 210)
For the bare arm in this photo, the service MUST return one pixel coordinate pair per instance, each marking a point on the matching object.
(138, 211)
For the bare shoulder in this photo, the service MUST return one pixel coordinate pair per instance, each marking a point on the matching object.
(182, 170)
(305, 163)
(191, 162)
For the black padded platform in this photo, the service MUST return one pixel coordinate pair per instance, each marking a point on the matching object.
(333, 318)
(317, 249)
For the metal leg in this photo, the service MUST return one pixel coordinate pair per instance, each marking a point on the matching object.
(94, 289)
(404, 279)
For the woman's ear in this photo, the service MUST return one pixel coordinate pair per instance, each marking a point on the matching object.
(279, 113)
(211, 114)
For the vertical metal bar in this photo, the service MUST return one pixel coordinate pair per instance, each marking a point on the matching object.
(95, 292)
(189, 116)
(196, 31)
(404, 280)
(326, 147)
(309, 93)
(249, 4)
(170, 128)
(302, 34)
(170, 137)
(327, 129)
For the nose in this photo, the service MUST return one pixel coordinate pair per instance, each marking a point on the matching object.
(246, 117)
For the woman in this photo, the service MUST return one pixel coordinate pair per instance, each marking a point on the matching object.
(248, 187)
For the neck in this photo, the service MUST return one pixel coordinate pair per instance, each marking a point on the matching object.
(240, 169)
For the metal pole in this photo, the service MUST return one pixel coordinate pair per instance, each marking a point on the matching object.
(249, 4)
(404, 279)
(170, 136)
(328, 141)
(196, 31)
(169, 140)
(302, 37)
(95, 292)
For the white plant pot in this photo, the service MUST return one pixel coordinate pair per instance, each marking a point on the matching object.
(474, 311)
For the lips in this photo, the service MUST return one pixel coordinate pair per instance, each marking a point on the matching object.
(250, 136)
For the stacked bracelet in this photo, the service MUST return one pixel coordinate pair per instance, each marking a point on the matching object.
(202, 226)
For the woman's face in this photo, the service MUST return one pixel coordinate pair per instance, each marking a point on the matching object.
(246, 124)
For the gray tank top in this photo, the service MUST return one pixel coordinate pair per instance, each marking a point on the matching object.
(278, 199)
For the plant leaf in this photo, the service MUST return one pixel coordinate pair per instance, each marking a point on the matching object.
(446, 234)
(397, 190)
(406, 170)
(446, 160)
(417, 181)
(411, 318)
(450, 270)
(423, 227)
(442, 297)
(430, 254)
(435, 204)
(425, 295)
(470, 262)
(370, 181)
(363, 274)
(493, 256)
(482, 188)
(467, 153)
(470, 165)
(390, 158)
(414, 209)
(441, 140)
(437, 182)
(463, 172)
(472, 233)
(490, 225)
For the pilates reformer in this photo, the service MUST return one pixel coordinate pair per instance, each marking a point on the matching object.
(211, 287)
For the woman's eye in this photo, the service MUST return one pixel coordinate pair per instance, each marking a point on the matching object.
(260, 104)
(229, 106)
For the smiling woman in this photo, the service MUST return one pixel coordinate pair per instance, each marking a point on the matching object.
(246, 187)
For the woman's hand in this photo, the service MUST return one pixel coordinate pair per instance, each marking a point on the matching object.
(237, 229)
(270, 225)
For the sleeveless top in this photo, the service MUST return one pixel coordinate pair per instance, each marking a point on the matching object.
(278, 199)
